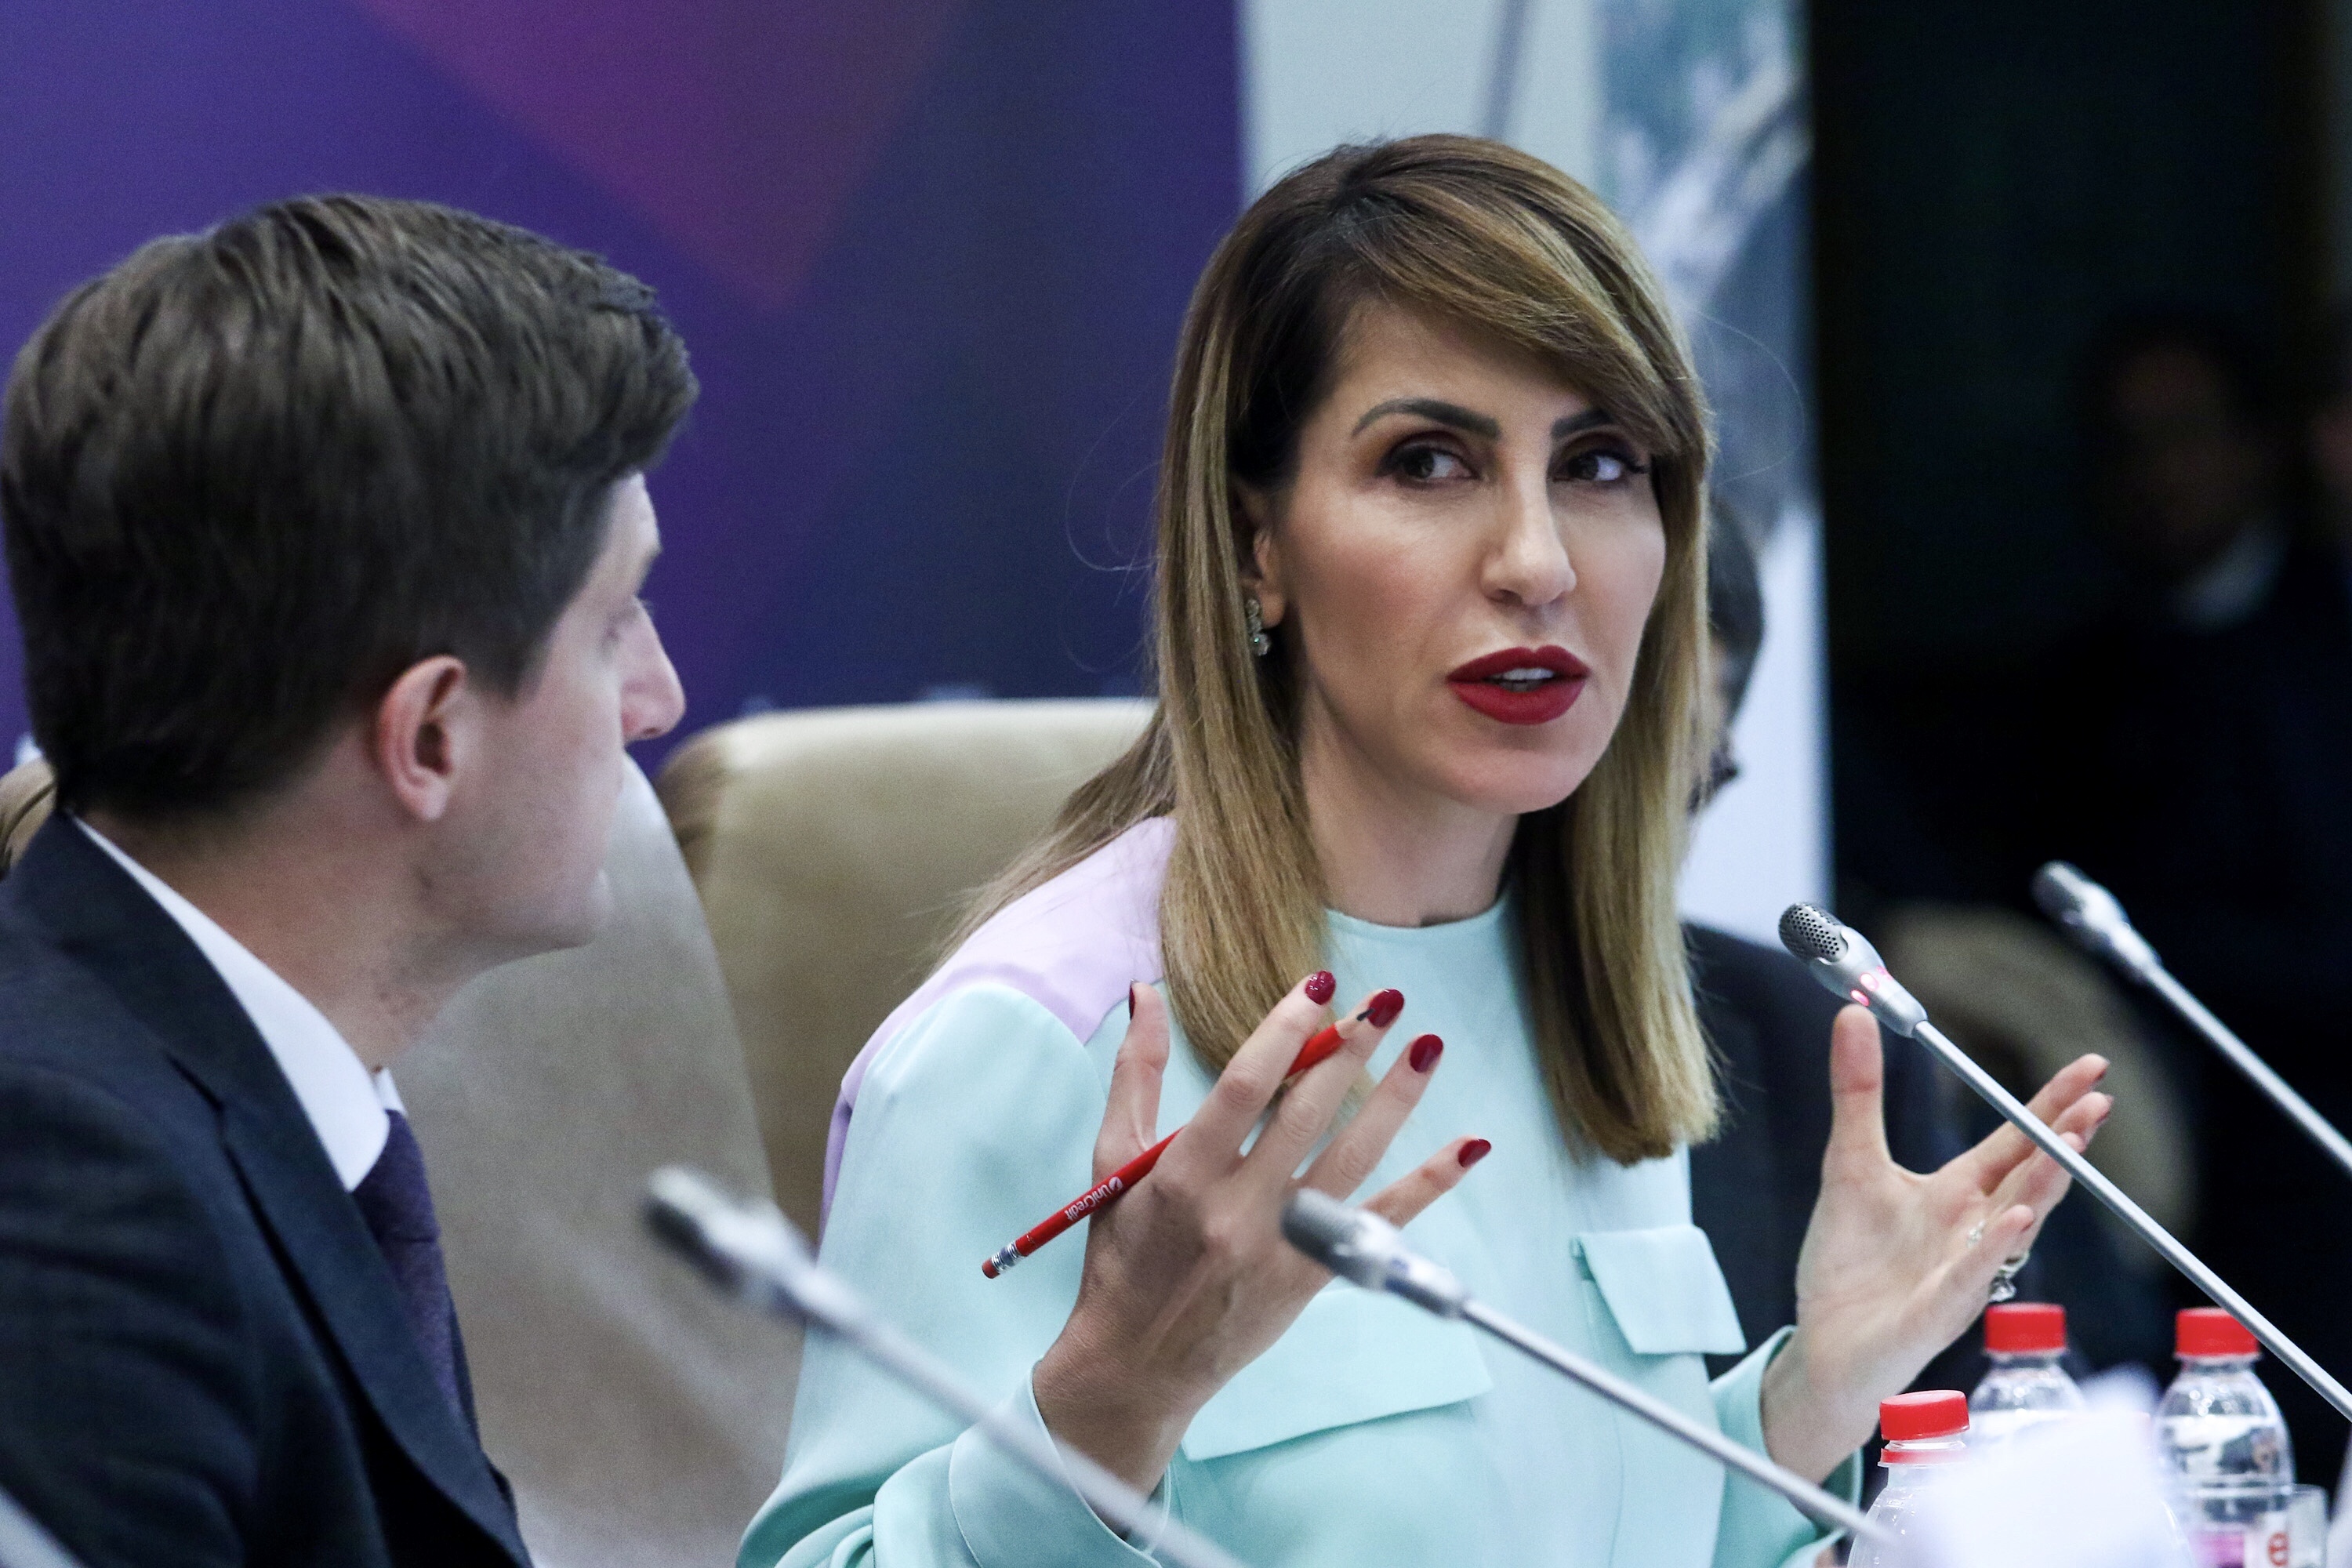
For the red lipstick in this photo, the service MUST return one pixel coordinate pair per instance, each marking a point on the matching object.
(1521, 684)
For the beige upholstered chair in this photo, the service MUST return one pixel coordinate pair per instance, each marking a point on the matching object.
(24, 795)
(834, 848)
(641, 1420)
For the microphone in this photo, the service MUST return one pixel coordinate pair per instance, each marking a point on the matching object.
(1367, 1250)
(2090, 914)
(1842, 960)
(752, 1252)
(1363, 1249)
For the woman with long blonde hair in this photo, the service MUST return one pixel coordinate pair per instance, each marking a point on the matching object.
(1430, 635)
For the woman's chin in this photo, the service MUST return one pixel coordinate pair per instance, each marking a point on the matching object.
(1514, 784)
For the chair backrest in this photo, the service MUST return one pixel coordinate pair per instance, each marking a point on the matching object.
(641, 1419)
(835, 850)
(26, 793)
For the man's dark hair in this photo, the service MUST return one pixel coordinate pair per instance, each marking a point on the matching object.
(249, 475)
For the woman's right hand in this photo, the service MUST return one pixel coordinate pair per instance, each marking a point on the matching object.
(1187, 1278)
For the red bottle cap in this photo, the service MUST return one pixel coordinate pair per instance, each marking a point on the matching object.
(2209, 1331)
(1916, 1417)
(2024, 1328)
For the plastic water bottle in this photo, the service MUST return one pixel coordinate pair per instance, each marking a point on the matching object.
(2227, 1448)
(2026, 1387)
(1924, 1433)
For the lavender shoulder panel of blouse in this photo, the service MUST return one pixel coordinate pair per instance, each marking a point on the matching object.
(1073, 945)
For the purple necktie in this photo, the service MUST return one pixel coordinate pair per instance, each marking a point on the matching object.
(398, 1207)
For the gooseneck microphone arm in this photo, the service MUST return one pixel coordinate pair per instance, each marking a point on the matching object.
(1842, 958)
(1365, 1249)
(749, 1249)
(2090, 914)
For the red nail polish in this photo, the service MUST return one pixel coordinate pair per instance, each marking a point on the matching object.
(1320, 986)
(1425, 1052)
(1474, 1151)
(1381, 1011)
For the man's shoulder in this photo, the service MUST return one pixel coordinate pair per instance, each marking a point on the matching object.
(90, 1087)
(58, 1015)
(1762, 983)
(177, 1346)
(88, 1090)
(181, 1382)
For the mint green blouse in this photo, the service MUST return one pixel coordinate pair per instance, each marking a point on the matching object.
(1371, 1434)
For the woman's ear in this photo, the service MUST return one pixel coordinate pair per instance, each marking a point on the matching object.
(1262, 577)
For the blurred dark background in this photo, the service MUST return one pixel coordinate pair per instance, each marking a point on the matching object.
(1996, 180)
(2089, 593)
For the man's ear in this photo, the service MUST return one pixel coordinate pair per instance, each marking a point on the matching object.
(423, 732)
(1262, 568)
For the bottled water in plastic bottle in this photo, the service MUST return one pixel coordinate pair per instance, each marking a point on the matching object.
(2026, 1385)
(2227, 1448)
(1924, 1433)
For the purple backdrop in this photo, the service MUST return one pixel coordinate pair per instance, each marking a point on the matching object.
(930, 257)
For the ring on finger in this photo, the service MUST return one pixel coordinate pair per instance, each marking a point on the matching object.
(2004, 1279)
(1976, 1232)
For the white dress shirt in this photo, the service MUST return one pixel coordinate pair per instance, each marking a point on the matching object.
(347, 1105)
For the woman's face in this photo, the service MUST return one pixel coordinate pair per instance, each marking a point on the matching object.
(1464, 561)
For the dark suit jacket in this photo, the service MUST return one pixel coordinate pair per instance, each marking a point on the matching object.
(203, 1354)
(1752, 1189)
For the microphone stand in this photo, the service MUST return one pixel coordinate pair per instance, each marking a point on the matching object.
(2091, 915)
(749, 1249)
(1366, 1250)
(1842, 958)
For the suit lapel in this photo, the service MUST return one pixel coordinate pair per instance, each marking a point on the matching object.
(103, 918)
(345, 1275)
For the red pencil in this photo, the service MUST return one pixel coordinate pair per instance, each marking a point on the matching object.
(1315, 1052)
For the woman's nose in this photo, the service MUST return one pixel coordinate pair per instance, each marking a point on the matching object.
(1529, 562)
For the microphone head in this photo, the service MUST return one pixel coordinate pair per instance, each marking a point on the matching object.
(2058, 891)
(1812, 934)
(745, 1247)
(1333, 1235)
(1367, 1250)
(1842, 960)
(2092, 916)
(687, 1210)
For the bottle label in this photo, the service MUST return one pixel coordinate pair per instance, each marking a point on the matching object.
(2258, 1542)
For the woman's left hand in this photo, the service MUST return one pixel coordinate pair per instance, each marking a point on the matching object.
(1895, 1264)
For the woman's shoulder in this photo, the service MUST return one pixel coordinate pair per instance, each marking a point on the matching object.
(1071, 946)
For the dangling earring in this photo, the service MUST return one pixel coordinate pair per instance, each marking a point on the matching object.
(1259, 643)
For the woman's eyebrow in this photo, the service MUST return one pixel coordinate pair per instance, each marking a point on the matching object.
(1572, 423)
(1462, 418)
(1445, 412)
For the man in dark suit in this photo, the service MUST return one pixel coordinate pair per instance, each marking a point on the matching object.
(325, 530)
(1753, 1188)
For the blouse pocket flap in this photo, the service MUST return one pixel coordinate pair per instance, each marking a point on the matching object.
(1352, 1356)
(1665, 1289)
